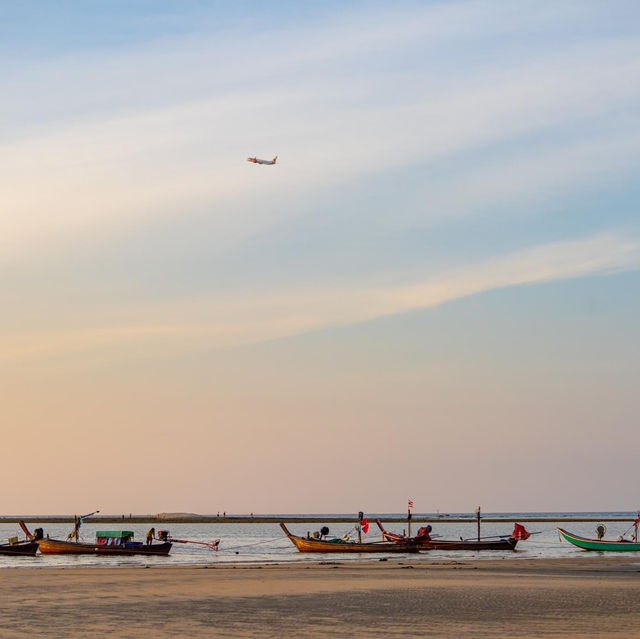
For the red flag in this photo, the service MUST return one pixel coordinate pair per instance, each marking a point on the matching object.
(520, 532)
(410, 503)
(364, 524)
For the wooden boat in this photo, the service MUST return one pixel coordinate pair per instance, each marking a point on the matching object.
(25, 548)
(599, 544)
(311, 544)
(427, 543)
(108, 542)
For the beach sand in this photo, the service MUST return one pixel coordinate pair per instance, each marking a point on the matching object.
(582, 597)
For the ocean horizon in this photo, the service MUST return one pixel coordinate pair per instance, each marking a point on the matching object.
(313, 516)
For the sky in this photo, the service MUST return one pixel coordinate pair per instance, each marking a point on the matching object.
(434, 294)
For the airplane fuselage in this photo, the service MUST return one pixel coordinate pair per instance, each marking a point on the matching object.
(259, 161)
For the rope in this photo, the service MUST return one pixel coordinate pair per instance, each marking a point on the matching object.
(257, 543)
(628, 529)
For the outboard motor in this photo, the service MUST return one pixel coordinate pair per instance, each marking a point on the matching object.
(38, 533)
(423, 532)
(324, 531)
(163, 535)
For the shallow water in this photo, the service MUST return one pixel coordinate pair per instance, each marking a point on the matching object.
(257, 542)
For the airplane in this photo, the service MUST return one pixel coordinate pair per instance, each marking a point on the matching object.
(259, 161)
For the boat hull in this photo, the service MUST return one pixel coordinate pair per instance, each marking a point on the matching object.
(599, 544)
(505, 543)
(22, 548)
(490, 544)
(304, 544)
(60, 547)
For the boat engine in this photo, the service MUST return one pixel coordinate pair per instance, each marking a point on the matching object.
(163, 535)
(423, 532)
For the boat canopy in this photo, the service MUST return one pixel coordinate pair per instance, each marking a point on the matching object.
(114, 534)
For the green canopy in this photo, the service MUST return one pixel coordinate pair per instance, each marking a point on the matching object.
(114, 534)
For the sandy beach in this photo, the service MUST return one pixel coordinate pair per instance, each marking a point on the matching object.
(594, 597)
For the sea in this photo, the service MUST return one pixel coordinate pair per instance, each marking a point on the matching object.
(265, 543)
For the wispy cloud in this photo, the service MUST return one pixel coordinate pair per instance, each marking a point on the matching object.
(127, 162)
(430, 151)
(116, 153)
(250, 317)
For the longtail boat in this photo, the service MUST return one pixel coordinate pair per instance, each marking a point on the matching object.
(108, 542)
(426, 542)
(23, 548)
(313, 544)
(599, 544)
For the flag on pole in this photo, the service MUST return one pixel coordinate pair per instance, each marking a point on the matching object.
(411, 503)
(520, 532)
(364, 524)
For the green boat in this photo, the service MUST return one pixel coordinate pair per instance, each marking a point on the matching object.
(599, 544)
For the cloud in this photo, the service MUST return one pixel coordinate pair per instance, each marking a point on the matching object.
(98, 146)
(501, 184)
(125, 170)
(246, 317)
(127, 159)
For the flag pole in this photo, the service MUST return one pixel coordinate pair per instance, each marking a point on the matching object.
(478, 516)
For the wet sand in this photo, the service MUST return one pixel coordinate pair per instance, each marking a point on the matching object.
(582, 597)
